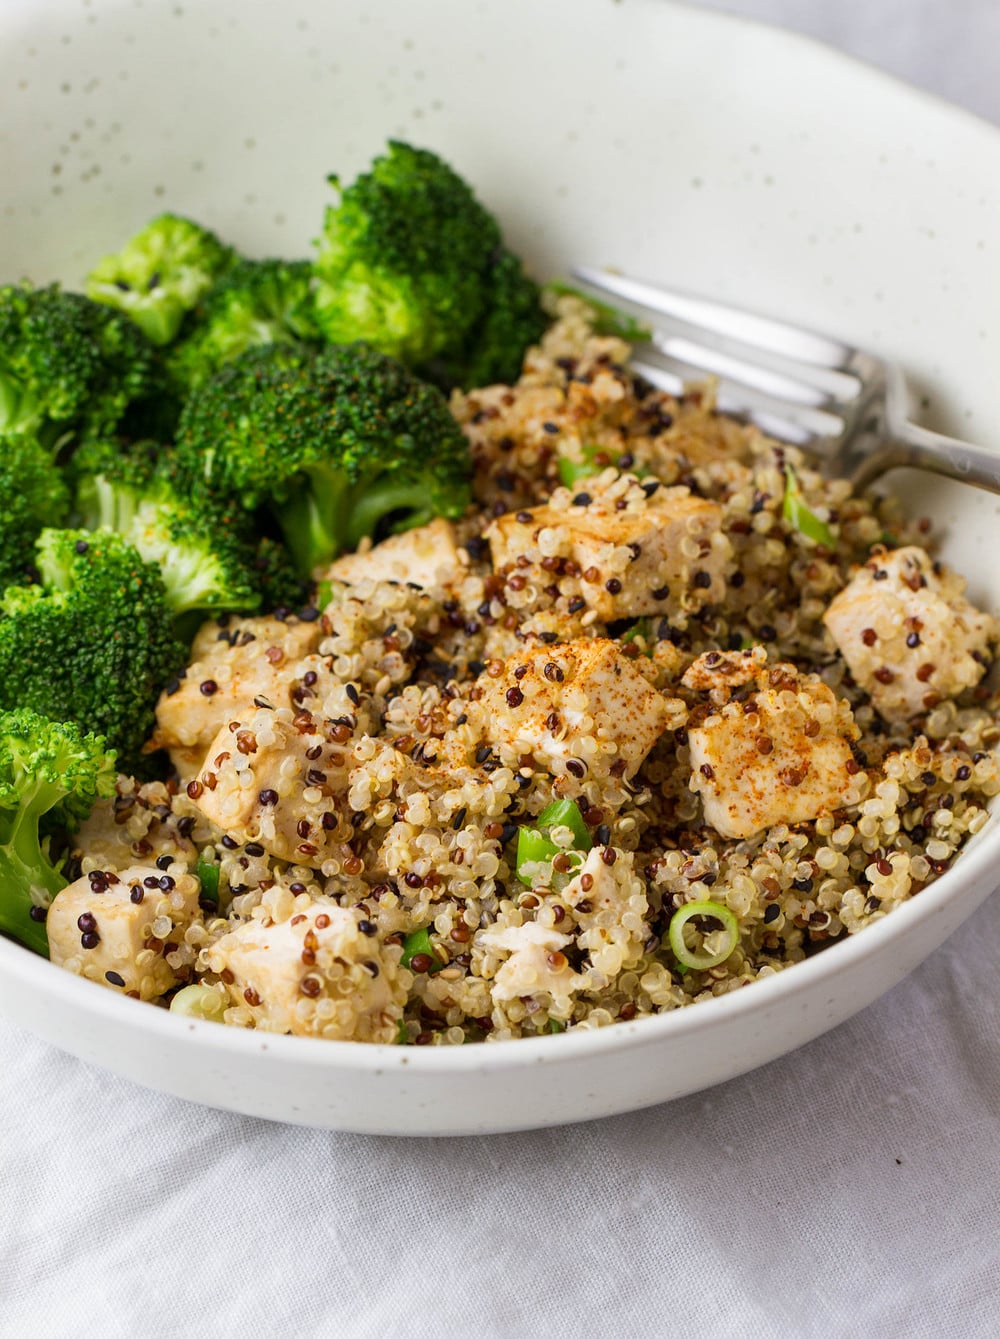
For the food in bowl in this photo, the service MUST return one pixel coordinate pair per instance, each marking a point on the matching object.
(651, 711)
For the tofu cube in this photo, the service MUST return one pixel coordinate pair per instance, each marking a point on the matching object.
(780, 755)
(120, 928)
(315, 974)
(277, 780)
(233, 661)
(425, 556)
(665, 556)
(908, 634)
(581, 708)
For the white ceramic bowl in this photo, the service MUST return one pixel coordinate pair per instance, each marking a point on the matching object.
(728, 158)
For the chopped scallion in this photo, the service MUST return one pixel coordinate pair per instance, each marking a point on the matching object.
(797, 513)
(534, 844)
(420, 942)
(691, 958)
(208, 875)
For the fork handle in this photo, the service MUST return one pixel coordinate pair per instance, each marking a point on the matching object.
(913, 447)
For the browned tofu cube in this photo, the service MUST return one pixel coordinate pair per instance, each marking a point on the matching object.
(120, 928)
(276, 780)
(908, 634)
(581, 708)
(664, 555)
(781, 755)
(315, 974)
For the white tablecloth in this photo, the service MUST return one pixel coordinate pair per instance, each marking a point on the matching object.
(850, 1189)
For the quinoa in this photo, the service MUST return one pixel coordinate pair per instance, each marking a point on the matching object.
(402, 798)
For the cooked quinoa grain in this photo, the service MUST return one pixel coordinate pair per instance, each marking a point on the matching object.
(467, 800)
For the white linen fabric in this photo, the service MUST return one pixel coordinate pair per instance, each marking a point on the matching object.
(849, 1189)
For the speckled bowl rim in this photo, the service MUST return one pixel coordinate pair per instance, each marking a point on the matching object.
(973, 864)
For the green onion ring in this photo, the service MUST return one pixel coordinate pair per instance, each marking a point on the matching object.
(702, 961)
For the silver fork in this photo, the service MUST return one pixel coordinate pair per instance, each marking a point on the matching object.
(838, 403)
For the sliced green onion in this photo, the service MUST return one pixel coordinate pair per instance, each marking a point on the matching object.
(324, 594)
(420, 942)
(556, 1026)
(798, 514)
(702, 961)
(610, 321)
(572, 471)
(208, 875)
(566, 814)
(643, 628)
(534, 844)
(199, 1001)
(402, 1036)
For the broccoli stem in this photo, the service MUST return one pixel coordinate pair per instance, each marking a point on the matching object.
(333, 514)
(24, 869)
(376, 500)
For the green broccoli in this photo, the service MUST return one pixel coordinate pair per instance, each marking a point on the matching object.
(404, 258)
(160, 274)
(204, 553)
(49, 772)
(93, 643)
(256, 302)
(33, 494)
(494, 351)
(338, 445)
(70, 369)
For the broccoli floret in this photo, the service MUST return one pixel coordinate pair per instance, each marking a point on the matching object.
(335, 444)
(33, 494)
(69, 368)
(160, 274)
(204, 553)
(514, 320)
(93, 642)
(404, 257)
(49, 772)
(256, 302)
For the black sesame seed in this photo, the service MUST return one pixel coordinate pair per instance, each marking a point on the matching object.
(459, 820)
(352, 693)
(114, 979)
(552, 428)
(483, 752)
